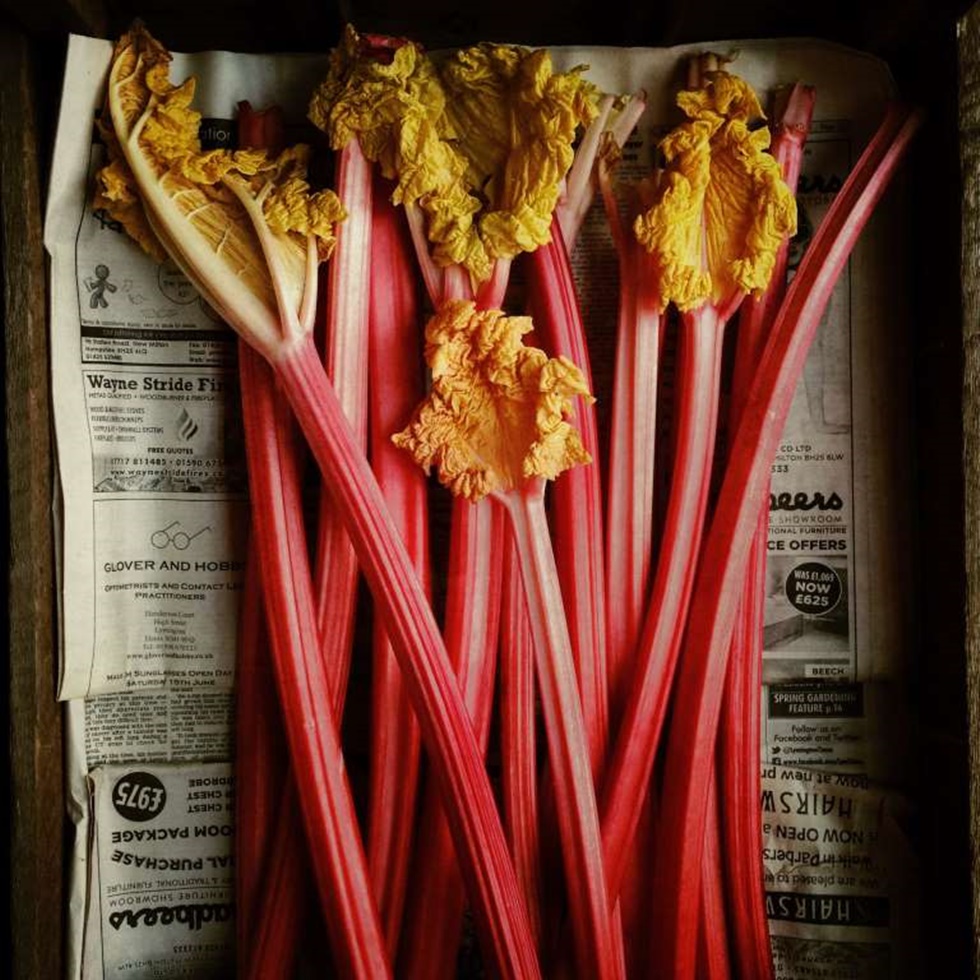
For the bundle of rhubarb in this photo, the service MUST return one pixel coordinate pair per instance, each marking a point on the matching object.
(623, 629)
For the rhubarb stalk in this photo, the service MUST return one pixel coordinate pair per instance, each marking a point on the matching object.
(259, 754)
(495, 424)
(518, 740)
(346, 358)
(632, 441)
(395, 388)
(577, 498)
(738, 763)
(254, 260)
(700, 681)
(720, 211)
(329, 816)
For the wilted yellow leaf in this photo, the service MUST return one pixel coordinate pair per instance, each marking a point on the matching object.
(496, 416)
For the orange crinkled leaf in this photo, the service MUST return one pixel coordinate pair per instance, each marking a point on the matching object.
(722, 209)
(480, 140)
(496, 416)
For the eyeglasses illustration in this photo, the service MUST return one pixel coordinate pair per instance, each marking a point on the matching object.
(166, 537)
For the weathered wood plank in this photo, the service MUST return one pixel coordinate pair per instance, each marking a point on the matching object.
(38, 812)
(969, 41)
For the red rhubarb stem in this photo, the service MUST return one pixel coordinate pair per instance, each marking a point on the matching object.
(577, 497)
(700, 340)
(632, 450)
(446, 730)
(347, 310)
(271, 895)
(598, 951)
(259, 755)
(738, 763)
(700, 682)
(434, 918)
(714, 957)
(304, 690)
(275, 933)
(518, 739)
(395, 390)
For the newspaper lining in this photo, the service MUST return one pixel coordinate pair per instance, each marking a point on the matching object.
(155, 501)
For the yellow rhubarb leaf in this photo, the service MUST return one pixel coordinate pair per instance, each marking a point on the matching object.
(521, 120)
(496, 415)
(480, 140)
(721, 209)
(240, 224)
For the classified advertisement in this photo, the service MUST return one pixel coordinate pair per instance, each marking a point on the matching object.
(162, 882)
(146, 409)
(840, 878)
(809, 609)
(153, 473)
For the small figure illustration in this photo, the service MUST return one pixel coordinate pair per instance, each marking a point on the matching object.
(98, 286)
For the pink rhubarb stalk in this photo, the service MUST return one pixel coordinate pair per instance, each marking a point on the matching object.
(272, 881)
(576, 498)
(328, 810)
(246, 231)
(738, 763)
(714, 957)
(700, 681)
(395, 389)
(347, 308)
(518, 740)
(598, 951)
(259, 755)
(434, 917)
(632, 445)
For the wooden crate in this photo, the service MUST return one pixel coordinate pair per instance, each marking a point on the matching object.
(918, 38)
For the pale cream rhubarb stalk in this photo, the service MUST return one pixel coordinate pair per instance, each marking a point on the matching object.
(700, 682)
(246, 230)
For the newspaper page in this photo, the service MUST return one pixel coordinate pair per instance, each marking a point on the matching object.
(155, 514)
(840, 878)
(145, 402)
(176, 728)
(162, 877)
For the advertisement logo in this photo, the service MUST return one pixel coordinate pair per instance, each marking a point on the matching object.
(139, 796)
